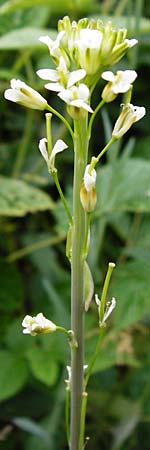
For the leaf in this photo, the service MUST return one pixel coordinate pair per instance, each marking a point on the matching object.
(18, 198)
(31, 427)
(126, 426)
(123, 186)
(131, 287)
(26, 37)
(11, 287)
(13, 374)
(42, 365)
(13, 5)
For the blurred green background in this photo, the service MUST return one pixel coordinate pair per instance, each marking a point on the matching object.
(34, 272)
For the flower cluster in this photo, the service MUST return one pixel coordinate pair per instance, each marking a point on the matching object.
(82, 51)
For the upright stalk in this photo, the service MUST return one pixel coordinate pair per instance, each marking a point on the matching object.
(77, 280)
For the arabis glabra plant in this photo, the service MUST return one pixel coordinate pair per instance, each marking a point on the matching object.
(82, 52)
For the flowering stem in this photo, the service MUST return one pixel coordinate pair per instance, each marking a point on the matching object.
(96, 353)
(77, 280)
(67, 413)
(62, 118)
(95, 160)
(82, 423)
(111, 266)
(99, 106)
(55, 177)
(48, 132)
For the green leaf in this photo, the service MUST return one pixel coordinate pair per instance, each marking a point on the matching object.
(13, 374)
(26, 37)
(131, 287)
(43, 367)
(31, 427)
(13, 5)
(123, 186)
(11, 287)
(18, 198)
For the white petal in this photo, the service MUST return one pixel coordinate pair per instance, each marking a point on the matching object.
(43, 148)
(140, 112)
(131, 42)
(89, 38)
(89, 179)
(80, 104)
(14, 96)
(46, 40)
(97, 300)
(26, 331)
(129, 75)
(26, 321)
(55, 87)
(66, 95)
(83, 91)
(110, 309)
(108, 76)
(75, 76)
(48, 74)
(40, 320)
(58, 147)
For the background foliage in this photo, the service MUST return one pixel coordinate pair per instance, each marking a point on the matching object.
(34, 273)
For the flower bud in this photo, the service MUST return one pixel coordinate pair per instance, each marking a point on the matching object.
(23, 94)
(88, 199)
(88, 192)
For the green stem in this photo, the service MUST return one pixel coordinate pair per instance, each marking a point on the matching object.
(82, 423)
(59, 328)
(57, 114)
(55, 177)
(48, 132)
(95, 160)
(96, 353)
(18, 254)
(99, 106)
(111, 266)
(67, 406)
(77, 280)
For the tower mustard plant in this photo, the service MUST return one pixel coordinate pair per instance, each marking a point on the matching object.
(82, 52)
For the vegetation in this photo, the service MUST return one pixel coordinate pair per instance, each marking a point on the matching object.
(35, 274)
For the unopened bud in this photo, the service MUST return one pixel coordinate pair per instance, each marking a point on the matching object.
(88, 198)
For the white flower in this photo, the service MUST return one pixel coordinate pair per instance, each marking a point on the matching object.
(120, 82)
(61, 78)
(55, 49)
(129, 115)
(23, 94)
(88, 47)
(58, 147)
(37, 325)
(109, 308)
(89, 179)
(131, 42)
(76, 97)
